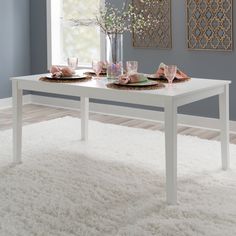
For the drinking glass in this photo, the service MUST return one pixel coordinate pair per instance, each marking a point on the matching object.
(114, 70)
(131, 67)
(97, 67)
(72, 62)
(170, 72)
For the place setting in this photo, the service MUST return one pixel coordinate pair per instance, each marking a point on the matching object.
(132, 80)
(66, 74)
(164, 74)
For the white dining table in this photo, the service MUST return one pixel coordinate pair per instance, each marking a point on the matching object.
(170, 98)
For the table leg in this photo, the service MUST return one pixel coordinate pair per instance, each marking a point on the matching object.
(171, 151)
(17, 122)
(84, 107)
(224, 124)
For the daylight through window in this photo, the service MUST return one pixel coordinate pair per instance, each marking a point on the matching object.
(66, 40)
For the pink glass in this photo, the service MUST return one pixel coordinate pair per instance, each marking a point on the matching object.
(170, 72)
(97, 67)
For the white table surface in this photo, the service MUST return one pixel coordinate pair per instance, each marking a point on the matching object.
(170, 97)
(177, 89)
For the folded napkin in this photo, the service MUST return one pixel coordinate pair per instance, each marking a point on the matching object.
(133, 78)
(179, 74)
(58, 72)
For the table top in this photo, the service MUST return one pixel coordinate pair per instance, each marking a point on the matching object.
(176, 89)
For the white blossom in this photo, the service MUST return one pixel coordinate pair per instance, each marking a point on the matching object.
(129, 18)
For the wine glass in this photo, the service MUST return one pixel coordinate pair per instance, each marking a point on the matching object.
(170, 72)
(97, 67)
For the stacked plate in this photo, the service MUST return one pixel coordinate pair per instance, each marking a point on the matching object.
(139, 84)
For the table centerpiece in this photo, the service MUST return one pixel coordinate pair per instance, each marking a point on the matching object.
(114, 22)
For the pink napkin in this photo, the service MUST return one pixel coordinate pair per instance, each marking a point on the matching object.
(58, 72)
(134, 78)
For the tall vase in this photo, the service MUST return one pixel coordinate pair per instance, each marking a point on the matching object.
(114, 55)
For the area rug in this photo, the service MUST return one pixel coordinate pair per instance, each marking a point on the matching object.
(112, 185)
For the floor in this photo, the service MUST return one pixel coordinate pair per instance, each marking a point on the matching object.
(37, 113)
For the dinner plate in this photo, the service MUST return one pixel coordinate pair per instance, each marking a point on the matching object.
(144, 83)
(73, 77)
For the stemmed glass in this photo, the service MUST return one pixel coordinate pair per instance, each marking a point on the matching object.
(170, 72)
(97, 67)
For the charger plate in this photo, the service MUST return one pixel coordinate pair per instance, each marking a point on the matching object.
(66, 79)
(118, 86)
(164, 80)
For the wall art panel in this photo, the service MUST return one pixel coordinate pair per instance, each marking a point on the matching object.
(209, 24)
(160, 36)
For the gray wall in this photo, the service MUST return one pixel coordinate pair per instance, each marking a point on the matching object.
(14, 42)
(202, 64)
(38, 36)
(218, 65)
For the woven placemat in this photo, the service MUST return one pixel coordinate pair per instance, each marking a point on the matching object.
(45, 79)
(122, 87)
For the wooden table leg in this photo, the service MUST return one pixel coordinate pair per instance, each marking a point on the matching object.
(224, 124)
(17, 122)
(84, 107)
(171, 151)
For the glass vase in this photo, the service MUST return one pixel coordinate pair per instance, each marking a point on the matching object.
(114, 55)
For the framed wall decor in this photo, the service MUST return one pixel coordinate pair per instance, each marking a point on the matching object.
(210, 24)
(160, 37)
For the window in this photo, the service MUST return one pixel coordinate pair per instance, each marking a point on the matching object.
(65, 40)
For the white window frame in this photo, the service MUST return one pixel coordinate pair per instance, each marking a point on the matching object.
(50, 37)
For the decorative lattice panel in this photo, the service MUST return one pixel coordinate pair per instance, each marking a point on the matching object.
(209, 24)
(159, 36)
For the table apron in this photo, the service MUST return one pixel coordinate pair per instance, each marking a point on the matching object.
(102, 94)
(155, 100)
(199, 95)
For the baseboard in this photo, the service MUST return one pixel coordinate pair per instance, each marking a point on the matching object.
(187, 120)
(7, 102)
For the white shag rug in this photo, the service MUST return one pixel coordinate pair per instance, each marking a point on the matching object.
(112, 185)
